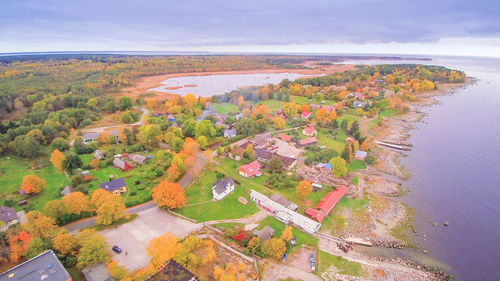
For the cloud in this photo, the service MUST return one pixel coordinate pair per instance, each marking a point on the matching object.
(187, 23)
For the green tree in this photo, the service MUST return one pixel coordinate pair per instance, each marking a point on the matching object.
(26, 146)
(275, 165)
(339, 167)
(71, 162)
(204, 128)
(36, 247)
(188, 127)
(125, 103)
(202, 141)
(60, 144)
(148, 135)
(55, 209)
(93, 248)
(174, 138)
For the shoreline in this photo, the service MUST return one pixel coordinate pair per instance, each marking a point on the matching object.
(142, 85)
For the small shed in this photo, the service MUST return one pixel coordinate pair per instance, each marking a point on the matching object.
(265, 233)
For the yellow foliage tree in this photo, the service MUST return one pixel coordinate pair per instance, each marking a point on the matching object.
(287, 233)
(162, 249)
(56, 158)
(109, 208)
(304, 188)
(40, 225)
(65, 243)
(279, 123)
(76, 203)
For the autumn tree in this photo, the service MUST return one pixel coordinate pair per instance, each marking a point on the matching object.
(76, 203)
(260, 111)
(39, 225)
(204, 128)
(339, 167)
(174, 138)
(195, 252)
(93, 248)
(149, 135)
(290, 109)
(254, 245)
(55, 209)
(231, 272)
(304, 188)
(57, 158)
(279, 123)
(109, 208)
(36, 246)
(305, 108)
(189, 100)
(18, 244)
(169, 194)
(241, 101)
(322, 116)
(32, 184)
(274, 247)
(65, 243)
(116, 271)
(249, 152)
(162, 249)
(287, 233)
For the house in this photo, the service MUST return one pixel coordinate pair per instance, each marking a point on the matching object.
(236, 153)
(285, 137)
(121, 164)
(229, 133)
(45, 267)
(260, 141)
(90, 137)
(137, 158)
(349, 139)
(8, 217)
(115, 186)
(67, 190)
(99, 155)
(358, 104)
(306, 114)
(309, 131)
(360, 155)
(326, 204)
(263, 155)
(97, 272)
(221, 124)
(170, 118)
(283, 201)
(250, 170)
(288, 162)
(307, 141)
(173, 271)
(327, 166)
(360, 96)
(222, 188)
(265, 233)
(284, 214)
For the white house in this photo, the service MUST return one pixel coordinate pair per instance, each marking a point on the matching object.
(8, 217)
(222, 188)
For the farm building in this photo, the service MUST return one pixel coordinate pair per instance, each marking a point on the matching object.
(326, 204)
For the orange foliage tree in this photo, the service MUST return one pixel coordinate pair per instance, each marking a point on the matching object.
(18, 244)
(39, 225)
(169, 194)
(162, 249)
(32, 184)
(56, 158)
(76, 203)
(304, 188)
(65, 243)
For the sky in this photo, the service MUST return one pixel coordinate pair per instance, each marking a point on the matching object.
(432, 27)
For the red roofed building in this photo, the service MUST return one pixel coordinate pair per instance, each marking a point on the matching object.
(306, 114)
(308, 141)
(326, 204)
(284, 137)
(309, 130)
(251, 170)
(349, 139)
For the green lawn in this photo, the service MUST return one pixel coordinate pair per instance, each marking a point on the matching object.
(383, 114)
(229, 167)
(12, 171)
(227, 208)
(301, 237)
(335, 221)
(356, 165)
(304, 100)
(201, 189)
(225, 108)
(335, 142)
(343, 266)
(273, 104)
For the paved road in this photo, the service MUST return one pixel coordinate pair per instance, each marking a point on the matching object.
(184, 182)
(144, 110)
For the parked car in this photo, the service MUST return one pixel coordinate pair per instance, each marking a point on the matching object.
(313, 262)
(116, 249)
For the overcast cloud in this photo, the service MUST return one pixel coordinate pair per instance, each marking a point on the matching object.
(65, 25)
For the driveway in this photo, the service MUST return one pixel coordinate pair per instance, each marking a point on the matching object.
(133, 237)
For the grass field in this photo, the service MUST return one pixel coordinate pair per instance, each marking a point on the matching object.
(301, 237)
(356, 165)
(201, 189)
(335, 221)
(225, 108)
(383, 114)
(342, 265)
(227, 208)
(12, 171)
(335, 142)
(273, 104)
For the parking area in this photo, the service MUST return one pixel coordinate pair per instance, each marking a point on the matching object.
(133, 237)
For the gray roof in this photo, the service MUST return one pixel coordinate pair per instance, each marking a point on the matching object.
(263, 154)
(137, 158)
(113, 185)
(360, 154)
(45, 267)
(117, 162)
(67, 190)
(265, 233)
(99, 154)
(91, 135)
(7, 214)
(230, 133)
(97, 272)
(283, 201)
(221, 185)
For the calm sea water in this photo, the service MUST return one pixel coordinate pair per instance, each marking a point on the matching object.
(210, 85)
(455, 167)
